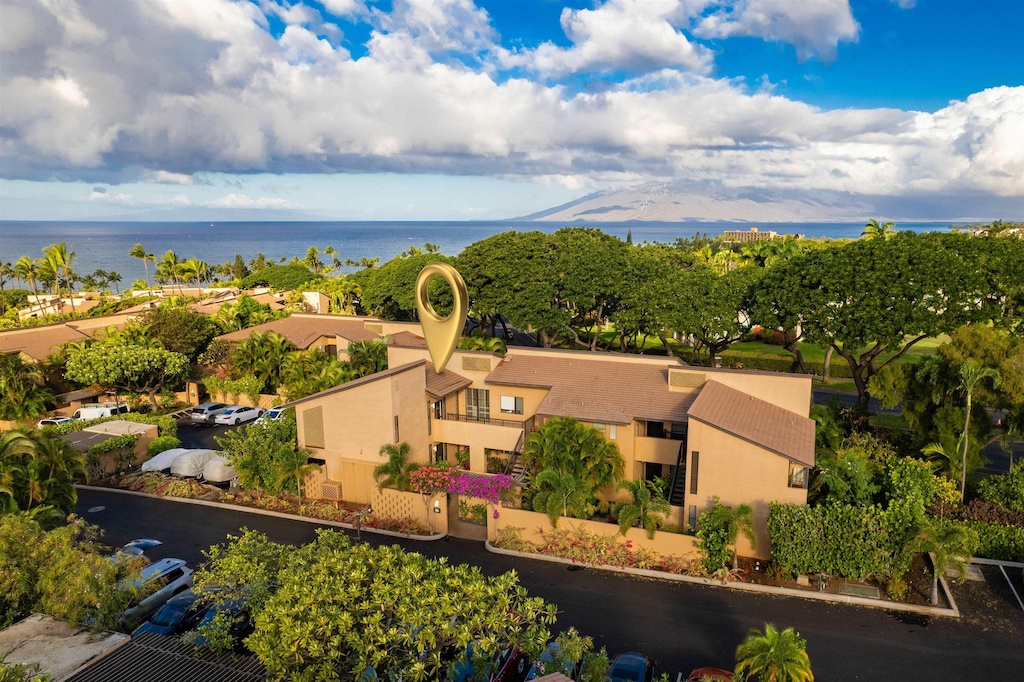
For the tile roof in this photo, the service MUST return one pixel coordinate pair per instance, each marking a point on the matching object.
(757, 421)
(604, 391)
(39, 342)
(158, 657)
(407, 339)
(445, 383)
(302, 330)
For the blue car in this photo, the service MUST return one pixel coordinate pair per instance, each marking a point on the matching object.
(631, 667)
(180, 614)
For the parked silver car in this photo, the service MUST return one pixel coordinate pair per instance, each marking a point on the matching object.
(159, 582)
(206, 412)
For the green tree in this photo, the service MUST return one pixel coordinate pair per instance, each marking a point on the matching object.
(970, 376)
(367, 357)
(292, 468)
(846, 476)
(256, 451)
(1006, 490)
(872, 230)
(26, 269)
(396, 471)
(180, 329)
(561, 494)
(59, 260)
(262, 355)
(390, 290)
(570, 447)
(774, 656)
(279, 277)
(951, 546)
(710, 308)
(719, 527)
(139, 251)
(22, 391)
(908, 288)
(116, 364)
(648, 510)
(169, 269)
(342, 610)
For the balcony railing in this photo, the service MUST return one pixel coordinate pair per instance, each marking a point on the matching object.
(526, 425)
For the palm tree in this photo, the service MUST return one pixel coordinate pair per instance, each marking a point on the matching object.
(6, 271)
(561, 494)
(138, 251)
(945, 459)
(872, 230)
(568, 446)
(774, 656)
(950, 545)
(25, 269)
(741, 522)
(970, 376)
(59, 260)
(115, 278)
(648, 509)
(368, 357)
(22, 391)
(312, 260)
(293, 465)
(170, 268)
(395, 472)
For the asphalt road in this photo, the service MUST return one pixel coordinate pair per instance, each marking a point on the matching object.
(681, 626)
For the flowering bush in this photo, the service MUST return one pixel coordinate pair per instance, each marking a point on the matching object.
(430, 480)
(493, 489)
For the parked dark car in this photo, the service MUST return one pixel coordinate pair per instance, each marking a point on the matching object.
(180, 614)
(631, 667)
(508, 665)
(241, 623)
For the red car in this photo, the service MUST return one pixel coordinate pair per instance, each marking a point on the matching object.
(716, 674)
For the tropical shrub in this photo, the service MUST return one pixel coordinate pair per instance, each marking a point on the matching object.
(63, 573)
(38, 471)
(162, 444)
(22, 393)
(249, 386)
(774, 656)
(280, 277)
(995, 541)
(331, 608)
(718, 527)
(256, 452)
(1006, 490)
(648, 510)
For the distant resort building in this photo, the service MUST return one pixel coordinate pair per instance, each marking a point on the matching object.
(753, 235)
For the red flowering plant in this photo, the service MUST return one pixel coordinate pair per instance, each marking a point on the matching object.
(429, 481)
(491, 489)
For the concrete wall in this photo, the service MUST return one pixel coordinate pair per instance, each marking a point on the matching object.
(738, 472)
(356, 423)
(395, 504)
(266, 400)
(531, 523)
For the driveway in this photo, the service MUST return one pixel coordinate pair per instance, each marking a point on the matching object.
(682, 626)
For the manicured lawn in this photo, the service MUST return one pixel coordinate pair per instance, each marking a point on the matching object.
(889, 421)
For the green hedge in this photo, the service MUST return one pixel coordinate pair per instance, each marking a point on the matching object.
(166, 425)
(1005, 543)
(126, 441)
(840, 369)
(282, 277)
(842, 540)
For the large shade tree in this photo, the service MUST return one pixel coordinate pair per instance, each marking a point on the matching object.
(872, 300)
(118, 364)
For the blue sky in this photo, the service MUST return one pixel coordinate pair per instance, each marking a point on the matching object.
(462, 110)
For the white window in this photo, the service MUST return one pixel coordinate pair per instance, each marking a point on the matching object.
(611, 432)
(599, 427)
(511, 404)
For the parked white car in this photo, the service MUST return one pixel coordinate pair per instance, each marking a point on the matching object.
(238, 414)
(272, 414)
(54, 421)
(99, 411)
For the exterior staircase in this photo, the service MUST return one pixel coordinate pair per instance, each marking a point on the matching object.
(677, 487)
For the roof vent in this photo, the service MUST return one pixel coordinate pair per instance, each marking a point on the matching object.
(682, 379)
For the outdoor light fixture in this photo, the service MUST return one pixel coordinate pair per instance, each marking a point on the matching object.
(437, 506)
(359, 520)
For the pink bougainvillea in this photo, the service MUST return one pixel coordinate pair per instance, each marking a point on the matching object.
(489, 488)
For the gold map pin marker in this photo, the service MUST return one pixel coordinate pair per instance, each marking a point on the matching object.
(442, 333)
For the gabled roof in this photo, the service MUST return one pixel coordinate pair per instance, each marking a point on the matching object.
(445, 383)
(362, 381)
(406, 339)
(39, 342)
(604, 390)
(756, 421)
(303, 330)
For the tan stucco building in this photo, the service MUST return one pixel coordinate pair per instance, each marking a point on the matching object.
(742, 436)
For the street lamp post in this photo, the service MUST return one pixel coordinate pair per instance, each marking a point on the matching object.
(359, 520)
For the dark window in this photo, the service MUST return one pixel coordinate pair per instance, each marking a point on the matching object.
(695, 462)
(691, 517)
(478, 404)
(397, 436)
(652, 471)
(655, 429)
(429, 426)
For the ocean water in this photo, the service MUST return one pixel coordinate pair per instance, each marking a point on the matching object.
(105, 245)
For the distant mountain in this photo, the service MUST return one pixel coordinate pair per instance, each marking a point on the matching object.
(712, 202)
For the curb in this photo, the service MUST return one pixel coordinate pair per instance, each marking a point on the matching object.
(953, 612)
(266, 512)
